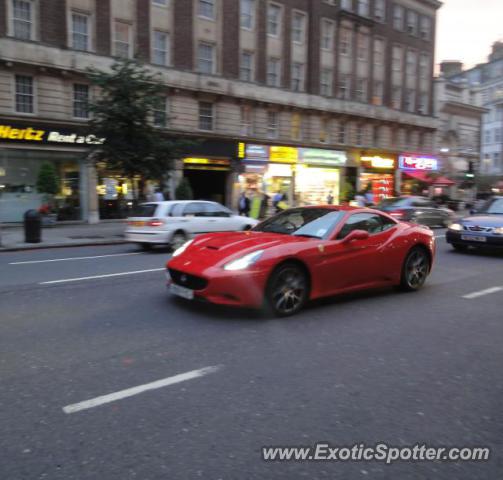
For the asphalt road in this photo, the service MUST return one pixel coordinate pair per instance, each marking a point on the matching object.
(376, 367)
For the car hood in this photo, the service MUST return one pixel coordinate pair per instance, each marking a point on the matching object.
(483, 220)
(212, 249)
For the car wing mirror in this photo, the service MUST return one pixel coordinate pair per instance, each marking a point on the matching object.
(355, 235)
(473, 211)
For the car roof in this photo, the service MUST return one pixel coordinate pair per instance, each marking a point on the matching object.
(171, 202)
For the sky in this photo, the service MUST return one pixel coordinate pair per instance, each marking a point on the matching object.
(466, 30)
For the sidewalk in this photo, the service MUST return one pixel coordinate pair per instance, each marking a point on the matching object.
(109, 233)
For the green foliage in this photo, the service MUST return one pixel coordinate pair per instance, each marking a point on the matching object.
(184, 190)
(122, 114)
(47, 181)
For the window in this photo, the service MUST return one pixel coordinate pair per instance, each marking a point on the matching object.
(206, 9)
(80, 100)
(272, 125)
(362, 46)
(360, 135)
(368, 222)
(361, 90)
(296, 126)
(161, 3)
(380, 10)
(345, 42)
(425, 27)
(246, 67)
(122, 39)
(411, 68)
(298, 77)
(345, 87)
(273, 72)
(326, 82)
(398, 17)
(273, 19)
(22, 19)
(298, 27)
(161, 48)
(397, 59)
(246, 120)
(396, 98)
(377, 98)
(410, 101)
(24, 94)
(347, 5)
(363, 8)
(424, 62)
(160, 113)
(247, 14)
(411, 22)
(327, 34)
(195, 209)
(80, 31)
(206, 114)
(324, 136)
(341, 133)
(206, 58)
(423, 103)
(378, 51)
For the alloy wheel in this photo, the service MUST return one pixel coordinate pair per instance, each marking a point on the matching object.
(288, 292)
(416, 269)
(177, 241)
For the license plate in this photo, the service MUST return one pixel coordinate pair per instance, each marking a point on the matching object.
(181, 291)
(471, 238)
(139, 224)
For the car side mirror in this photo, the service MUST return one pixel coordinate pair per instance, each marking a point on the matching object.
(355, 235)
(473, 211)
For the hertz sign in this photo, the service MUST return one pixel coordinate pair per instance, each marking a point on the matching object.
(15, 133)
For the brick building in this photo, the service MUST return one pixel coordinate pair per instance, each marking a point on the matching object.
(301, 96)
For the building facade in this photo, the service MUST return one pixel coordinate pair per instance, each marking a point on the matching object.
(299, 96)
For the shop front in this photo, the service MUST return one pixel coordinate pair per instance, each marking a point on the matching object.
(420, 176)
(377, 177)
(24, 150)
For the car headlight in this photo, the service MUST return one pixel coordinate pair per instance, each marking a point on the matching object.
(182, 249)
(498, 231)
(456, 226)
(244, 262)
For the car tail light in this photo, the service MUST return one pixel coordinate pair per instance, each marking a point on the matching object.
(155, 223)
(398, 214)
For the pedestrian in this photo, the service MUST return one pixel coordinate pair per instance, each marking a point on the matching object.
(278, 196)
(330, 199)
(360, 199)
(158, 196)
(244, 205)
(264, 205)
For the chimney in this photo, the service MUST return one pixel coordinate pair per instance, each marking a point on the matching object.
(448, 68)
(497, 52)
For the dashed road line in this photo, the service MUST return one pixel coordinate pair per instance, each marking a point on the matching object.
(94, 277)
(481, 293)
(30, 262)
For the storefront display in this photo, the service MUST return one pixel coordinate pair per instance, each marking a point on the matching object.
(377, 177)
(418, 172)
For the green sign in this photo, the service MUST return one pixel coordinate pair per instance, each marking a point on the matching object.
(320, 156)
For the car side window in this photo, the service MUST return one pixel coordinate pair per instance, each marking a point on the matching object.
(195, 209)
(215, 210)
(368, 222)
(387, 223)
(176, 210)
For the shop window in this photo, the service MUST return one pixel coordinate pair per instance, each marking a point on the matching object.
(80, 32)
(246, 67)
(206, 116)
(161, 48)
(80, 100)
(273, 19)
(272, 125)
(247, 14)
(25, 95)
(23, 19)
(122, 39)
(206, 9)
(206, 58)
(160, 113)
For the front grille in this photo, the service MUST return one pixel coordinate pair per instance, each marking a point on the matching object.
(477, 228)
(188, 281)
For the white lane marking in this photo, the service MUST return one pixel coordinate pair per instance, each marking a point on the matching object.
(481, 293)
(75, 258)
(129, 392)
(108, 275)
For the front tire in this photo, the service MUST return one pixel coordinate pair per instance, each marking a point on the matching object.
(415, 270)
(287, 290)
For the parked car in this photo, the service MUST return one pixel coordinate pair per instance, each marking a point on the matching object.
(482, 229)
(174, 222)
(418, 210)
(302, 254)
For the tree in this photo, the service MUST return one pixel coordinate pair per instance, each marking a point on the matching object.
(122, 114)
(184, 190)
(47, 181)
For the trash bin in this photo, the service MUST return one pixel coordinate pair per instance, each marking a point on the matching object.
(32, 227)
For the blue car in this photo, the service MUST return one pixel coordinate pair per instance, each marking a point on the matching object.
(483, 229)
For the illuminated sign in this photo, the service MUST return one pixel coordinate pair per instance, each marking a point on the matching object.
(283, 154)
(319, 156)
(379, 162)
(257, 152)
(16, 133)
(241, 150)
(413, 162)
(205, 161)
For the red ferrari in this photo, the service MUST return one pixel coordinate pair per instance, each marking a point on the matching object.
(302, 254)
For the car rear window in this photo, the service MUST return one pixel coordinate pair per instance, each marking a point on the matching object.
(145, 210)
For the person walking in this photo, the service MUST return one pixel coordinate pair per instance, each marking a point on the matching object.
(244, 205)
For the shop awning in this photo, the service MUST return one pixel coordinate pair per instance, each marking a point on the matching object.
(422, 176)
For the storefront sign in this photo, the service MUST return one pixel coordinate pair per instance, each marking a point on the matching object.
(283, 154)
(319, 156)
(412, 162)
(257, 152)
(23, 134)
(379, 162)
(206, 161)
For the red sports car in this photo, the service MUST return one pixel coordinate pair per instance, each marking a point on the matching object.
(302, 254)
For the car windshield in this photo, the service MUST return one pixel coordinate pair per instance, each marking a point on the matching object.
(145, 210)
(303, 222)
(393, 202)
(495, 206)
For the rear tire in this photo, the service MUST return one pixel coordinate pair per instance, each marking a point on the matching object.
(287, 290)
(146, 247)
(415, 270)
(178, 239)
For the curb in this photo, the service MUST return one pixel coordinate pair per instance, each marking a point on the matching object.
(41, 246)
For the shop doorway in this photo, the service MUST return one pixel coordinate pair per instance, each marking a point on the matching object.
(208, 184)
